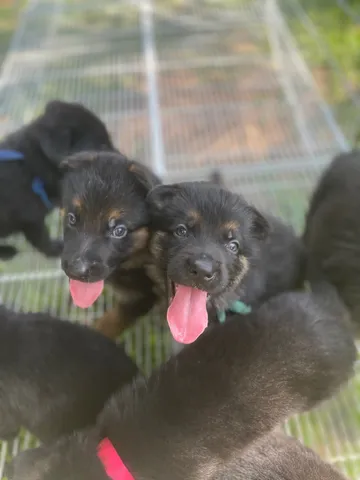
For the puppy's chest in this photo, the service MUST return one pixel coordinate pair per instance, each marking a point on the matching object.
(132, 276)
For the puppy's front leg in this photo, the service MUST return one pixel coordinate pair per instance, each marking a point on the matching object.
(111, 324)
(114, 322)
(38, 235)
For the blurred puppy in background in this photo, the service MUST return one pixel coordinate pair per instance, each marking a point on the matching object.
(30, 177)
(332, 231)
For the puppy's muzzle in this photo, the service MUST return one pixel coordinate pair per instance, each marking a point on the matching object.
(85, 269)
(203, 270)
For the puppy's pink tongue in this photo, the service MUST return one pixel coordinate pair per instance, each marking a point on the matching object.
(187, 315)
(85, 294)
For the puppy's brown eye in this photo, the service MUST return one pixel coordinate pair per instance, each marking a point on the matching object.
(233, 246)
(119, 232)
(181, 231)
(71, 219)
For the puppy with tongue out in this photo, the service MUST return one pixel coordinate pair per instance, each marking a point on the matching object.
(210, 248)
(106, 235)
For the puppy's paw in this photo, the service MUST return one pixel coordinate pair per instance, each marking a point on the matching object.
(7, 252)
(55, 248)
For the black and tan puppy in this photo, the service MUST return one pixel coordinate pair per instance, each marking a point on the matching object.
(207, 412)
(55, 376)
(106, 234)
(332, 232)
(29, 170)
(216, 249)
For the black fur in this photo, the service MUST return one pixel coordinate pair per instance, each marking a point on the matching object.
(62, 129)
(55, 376)
(203, 413)
(269, 256)
(274, 457)
(105, 191)
(332, 232)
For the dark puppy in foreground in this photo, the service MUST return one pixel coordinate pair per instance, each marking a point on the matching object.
(207, 412)
(55, 376)
(106, 231)
(30, 176)
(275, 457)
(216, 249)
(332, 233)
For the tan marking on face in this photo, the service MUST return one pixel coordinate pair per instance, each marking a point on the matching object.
(230, 226)
(77, 202)
(239, 278)
(194, 216)
(115, 214)
(62, 212)
(246, 266)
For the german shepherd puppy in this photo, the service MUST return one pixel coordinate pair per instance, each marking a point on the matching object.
(216, 249)
(332, 232)
(55, 376)
(106, 231)
(208, 413)
(30, 185)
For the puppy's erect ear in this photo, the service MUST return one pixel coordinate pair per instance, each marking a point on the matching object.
(29, 465)
(77, 161)
(160, 195)
(55, 105)
(260, 226)
(216, 178)
(147, 179)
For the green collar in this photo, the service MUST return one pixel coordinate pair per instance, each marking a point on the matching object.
(237, 307)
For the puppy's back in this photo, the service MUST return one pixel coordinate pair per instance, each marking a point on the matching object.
(332, 230)
(279, 457)
(67, 367)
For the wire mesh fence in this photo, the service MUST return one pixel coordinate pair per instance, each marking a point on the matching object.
(183, 86)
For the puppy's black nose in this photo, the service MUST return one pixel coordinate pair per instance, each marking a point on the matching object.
(84, 269)
(203, 268)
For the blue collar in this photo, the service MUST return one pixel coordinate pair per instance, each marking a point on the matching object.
(237, 307)
(37, 185)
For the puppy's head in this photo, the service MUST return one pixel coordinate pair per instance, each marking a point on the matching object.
(63, 129)
(204, 238)
(67, 128)
(105, 219)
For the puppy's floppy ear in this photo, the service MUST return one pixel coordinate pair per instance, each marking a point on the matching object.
(32, 464)
(162, 194)
(260, 227)
(147, 179)
(55, 143)
(53, 138)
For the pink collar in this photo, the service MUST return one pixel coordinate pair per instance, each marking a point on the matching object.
(113, 465)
